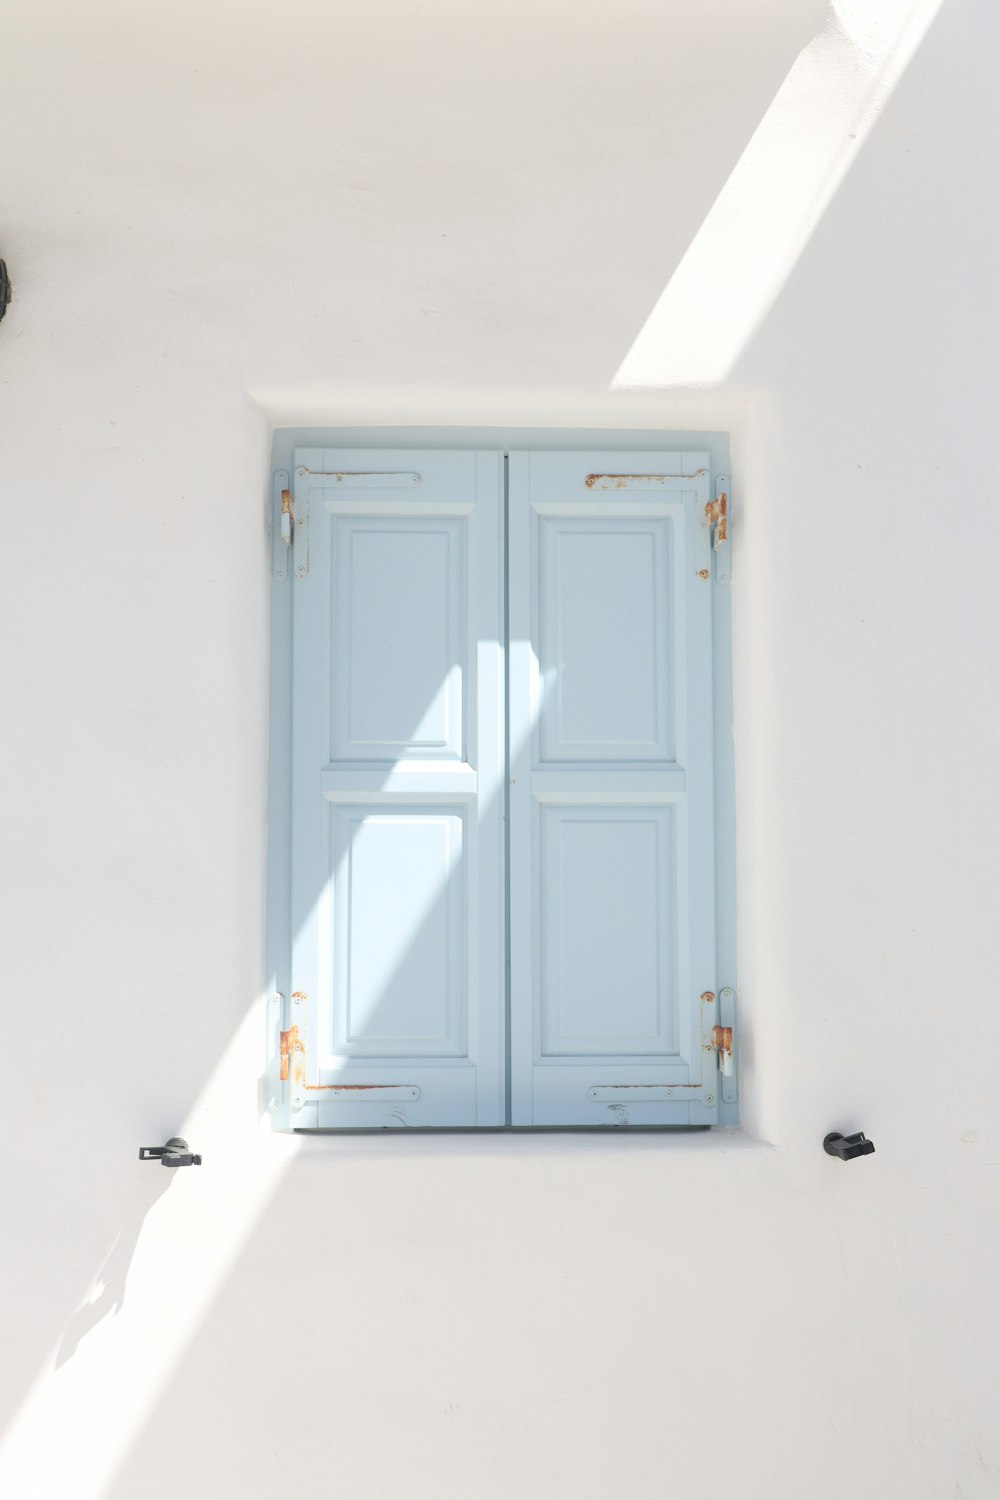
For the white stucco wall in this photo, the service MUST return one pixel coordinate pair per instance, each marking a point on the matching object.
(219, 217)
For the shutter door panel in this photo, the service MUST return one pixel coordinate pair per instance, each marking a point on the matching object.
(397, 830)
(611, 797)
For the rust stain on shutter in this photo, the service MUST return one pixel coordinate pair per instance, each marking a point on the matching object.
(717, 515)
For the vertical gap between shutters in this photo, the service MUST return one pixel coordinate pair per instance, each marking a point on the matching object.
(506, 786)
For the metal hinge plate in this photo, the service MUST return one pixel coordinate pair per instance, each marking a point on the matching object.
(300, 525)
(717, 518)
(281, 522)
(289, 526)
(724, 1041)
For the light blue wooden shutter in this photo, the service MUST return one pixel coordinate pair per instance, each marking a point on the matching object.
(397, 744)
(611, 799)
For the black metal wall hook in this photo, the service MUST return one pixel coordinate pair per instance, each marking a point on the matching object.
(4, 289)
(847, 1147)
(174, 1154)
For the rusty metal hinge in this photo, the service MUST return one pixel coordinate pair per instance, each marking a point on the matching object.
(281, 525)
(717, 520)
(717, 514)
(290, 1043)
(724, 1043)
(290, 544)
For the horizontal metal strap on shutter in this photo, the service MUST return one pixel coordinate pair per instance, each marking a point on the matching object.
(364, 479)
(637, 481)
(637, 1093)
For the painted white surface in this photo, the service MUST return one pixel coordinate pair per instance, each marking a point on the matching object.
(392, 213)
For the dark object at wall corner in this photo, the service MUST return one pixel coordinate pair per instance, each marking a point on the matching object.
(4, 289)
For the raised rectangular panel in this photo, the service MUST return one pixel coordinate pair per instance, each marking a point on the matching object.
(398, 654)
(607, 927)
(398, 950)
(606, 639)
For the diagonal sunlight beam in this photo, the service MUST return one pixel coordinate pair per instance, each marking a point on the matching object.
(84, 1411)
(103, 1378)
(742, 255)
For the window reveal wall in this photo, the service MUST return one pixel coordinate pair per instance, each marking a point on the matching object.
(405, 766)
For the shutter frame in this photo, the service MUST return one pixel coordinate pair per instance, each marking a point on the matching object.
(635, 501)
(373, 810)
